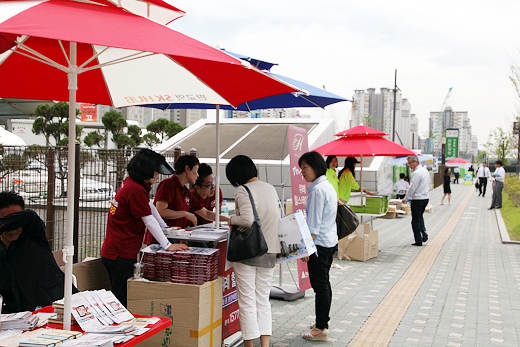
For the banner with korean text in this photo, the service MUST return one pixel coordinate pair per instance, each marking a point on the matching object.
(88, 113)
(452, 143)
(298, 145)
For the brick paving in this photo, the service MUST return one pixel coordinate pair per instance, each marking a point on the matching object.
(469, 295)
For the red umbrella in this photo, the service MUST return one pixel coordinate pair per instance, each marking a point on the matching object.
(363, 141)
(123, 59)
(361, 130)
(457, 161)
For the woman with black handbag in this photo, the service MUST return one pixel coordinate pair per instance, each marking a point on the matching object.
(256, 208)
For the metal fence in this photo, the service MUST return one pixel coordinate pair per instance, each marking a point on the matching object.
(39, 175)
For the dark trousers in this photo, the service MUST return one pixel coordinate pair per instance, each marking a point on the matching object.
(456, 180)
(319, 267)
(400, 196)
(119, 271)
(497, 194)
(483, 185)
(419, 230)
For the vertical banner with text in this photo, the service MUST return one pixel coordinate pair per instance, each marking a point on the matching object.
(298, 145)
(452, 143)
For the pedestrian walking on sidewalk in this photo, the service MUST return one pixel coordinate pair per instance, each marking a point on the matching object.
(483, 174)
(446, 186)
(498, 184)
(321, 208)
(456, 171)
(418, 195)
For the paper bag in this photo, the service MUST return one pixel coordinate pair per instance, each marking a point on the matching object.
(295, 238)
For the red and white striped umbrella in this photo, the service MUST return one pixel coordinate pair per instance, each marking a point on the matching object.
(122, 59)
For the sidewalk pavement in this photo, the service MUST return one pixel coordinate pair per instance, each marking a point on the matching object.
(463, 289)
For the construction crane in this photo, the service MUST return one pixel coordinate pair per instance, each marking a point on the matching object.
(440, 125)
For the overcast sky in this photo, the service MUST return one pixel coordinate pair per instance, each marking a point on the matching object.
(347, 45)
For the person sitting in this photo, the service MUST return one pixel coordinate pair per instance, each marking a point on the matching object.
(401, 187)
(29, 275)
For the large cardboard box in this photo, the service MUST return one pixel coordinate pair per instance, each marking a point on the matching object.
(91, 274)
(195, 311)
(360, 245)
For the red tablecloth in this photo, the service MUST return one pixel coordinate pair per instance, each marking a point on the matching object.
(162, 324)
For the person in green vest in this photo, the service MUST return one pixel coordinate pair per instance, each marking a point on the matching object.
(332, 177)
(347, 180)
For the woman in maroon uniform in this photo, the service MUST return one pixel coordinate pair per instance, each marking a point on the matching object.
(130, 213)
(204, 191)
(175, 202)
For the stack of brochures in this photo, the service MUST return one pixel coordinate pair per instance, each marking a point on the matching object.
(20, 320)
(50, 337)
(96, 311)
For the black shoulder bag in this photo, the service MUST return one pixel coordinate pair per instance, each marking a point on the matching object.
(246, 242)
(346, 220)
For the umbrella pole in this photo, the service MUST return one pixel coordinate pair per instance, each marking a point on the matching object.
(68, 250)
(217, 169)
(361, 156)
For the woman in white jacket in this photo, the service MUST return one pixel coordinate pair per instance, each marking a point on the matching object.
(254, 275)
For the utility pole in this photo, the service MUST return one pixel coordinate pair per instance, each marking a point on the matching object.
(395, 92)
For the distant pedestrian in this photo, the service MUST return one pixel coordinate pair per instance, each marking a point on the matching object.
(498, 184)
(418, 194)
(456, 171)
(401, 187)
(446, 186)
(332, 175)
(321, 207)
(483, 174)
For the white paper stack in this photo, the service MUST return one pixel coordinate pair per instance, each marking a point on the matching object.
(20, 320)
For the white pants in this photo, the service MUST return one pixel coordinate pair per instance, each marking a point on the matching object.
(253, 287)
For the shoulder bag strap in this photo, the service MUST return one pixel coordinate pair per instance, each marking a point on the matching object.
(252, 204)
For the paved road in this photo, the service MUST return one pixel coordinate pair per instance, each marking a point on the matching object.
(467, 285)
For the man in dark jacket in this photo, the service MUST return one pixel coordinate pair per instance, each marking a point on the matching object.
(29, 275)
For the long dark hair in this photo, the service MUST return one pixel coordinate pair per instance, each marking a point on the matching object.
(329, 160)
(349, 164)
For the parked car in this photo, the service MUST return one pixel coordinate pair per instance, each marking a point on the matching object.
(33, 182)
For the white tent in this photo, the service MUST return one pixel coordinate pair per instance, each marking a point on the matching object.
(10, 139)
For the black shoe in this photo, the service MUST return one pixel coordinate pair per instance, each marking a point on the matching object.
(491, 208)
(479, 194)
(416, 244)
(483, 196)
(425, 237)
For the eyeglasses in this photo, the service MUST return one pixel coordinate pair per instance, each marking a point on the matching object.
(209, 186)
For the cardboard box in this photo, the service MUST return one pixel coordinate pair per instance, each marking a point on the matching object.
(360, 245)
(91, 274)
(397, 202)
(195, 311)
(407, 209)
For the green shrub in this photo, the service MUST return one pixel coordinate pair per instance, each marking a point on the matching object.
(512, 189)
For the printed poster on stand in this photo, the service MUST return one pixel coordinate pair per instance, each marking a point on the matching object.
(298, 145)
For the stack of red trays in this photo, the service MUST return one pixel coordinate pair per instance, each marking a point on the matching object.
(148, 260)
(195, 266)
(163, 265)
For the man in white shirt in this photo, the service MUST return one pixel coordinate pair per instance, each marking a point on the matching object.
(418, 194)
(482, 176)
(456, 171)
(401, 187)
(499, 176)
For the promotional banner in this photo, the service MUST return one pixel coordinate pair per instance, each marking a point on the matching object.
(452, 143)
(298, 145)
(88, 113)
(230, 310)
(295, 238)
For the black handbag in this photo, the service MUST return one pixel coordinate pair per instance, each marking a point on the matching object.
(477, 184)
(346, 220)
(246, 242)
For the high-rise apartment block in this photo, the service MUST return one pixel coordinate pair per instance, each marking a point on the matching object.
(377, 109)
(440, 121)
